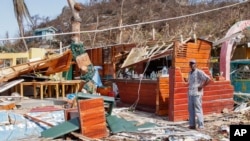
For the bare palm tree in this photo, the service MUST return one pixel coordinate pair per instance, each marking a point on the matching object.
(76, 20)
(21, 13)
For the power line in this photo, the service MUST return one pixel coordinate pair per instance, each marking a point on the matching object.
(131, 25)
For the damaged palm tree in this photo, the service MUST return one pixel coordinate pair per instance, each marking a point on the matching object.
(21, 12)
(78, 50)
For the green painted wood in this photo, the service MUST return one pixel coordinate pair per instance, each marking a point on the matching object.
(117, 125)
(62, 129)
(68, 75)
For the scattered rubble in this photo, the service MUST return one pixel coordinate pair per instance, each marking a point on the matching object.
(144, 125)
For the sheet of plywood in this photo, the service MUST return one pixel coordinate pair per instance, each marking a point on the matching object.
(61, 129)
(8, 85)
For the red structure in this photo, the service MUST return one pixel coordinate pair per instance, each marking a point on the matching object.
(217, 94)
(167, 96)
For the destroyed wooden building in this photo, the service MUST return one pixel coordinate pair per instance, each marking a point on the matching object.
(163, 95)
(166, 96)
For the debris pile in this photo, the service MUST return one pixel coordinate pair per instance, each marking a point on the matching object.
(95, 117)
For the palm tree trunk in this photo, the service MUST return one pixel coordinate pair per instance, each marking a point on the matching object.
(75, 21)
(21, 30)
(21, 12)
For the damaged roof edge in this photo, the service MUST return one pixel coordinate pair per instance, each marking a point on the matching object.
(167, 53)
(155, 54)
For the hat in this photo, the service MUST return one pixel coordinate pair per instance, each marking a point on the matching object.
(192, 61)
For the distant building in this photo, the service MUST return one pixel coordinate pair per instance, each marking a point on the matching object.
(45, 32)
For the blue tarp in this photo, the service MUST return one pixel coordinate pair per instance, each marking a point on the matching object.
(14, 126)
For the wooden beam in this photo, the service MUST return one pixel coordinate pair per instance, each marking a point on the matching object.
(38, 120)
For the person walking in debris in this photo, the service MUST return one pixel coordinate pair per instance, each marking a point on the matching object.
(197, 79)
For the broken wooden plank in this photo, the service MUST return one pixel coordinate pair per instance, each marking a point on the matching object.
(7, 105)
(58, 63)
(45, 109)
(10, 84)
(38, 120)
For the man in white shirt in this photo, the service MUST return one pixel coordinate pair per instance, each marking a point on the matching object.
(197, 79)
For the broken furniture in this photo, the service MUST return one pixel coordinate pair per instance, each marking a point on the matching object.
(41, 86)
(75, 85)
(48, 84)
(91, 121)
(27, 84)
(108, 100)
(92, 117)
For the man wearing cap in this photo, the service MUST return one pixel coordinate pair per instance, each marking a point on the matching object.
(197, 79)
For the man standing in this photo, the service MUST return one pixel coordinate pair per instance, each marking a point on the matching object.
(197, 79)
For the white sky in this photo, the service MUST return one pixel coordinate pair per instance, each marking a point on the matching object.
(43, 8)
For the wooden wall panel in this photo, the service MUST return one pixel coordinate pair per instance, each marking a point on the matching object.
(162, 96)
(95, 56)
(217, 95)
(240, 53)
(128, 90)
(92, 118)
(108, 70)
